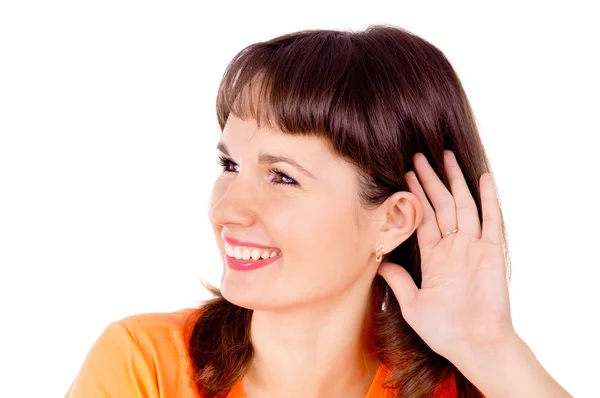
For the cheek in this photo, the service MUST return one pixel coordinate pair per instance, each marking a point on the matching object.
(325, 253)
(321, 231)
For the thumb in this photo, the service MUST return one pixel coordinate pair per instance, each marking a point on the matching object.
(401, 282)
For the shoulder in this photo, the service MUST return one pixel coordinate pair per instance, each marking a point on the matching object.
(157, 323)
(159, 338)
(137, 356)
(148, 329)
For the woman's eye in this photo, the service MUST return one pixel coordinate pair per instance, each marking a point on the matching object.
(276, 177)
(281, 178)
(227, 165)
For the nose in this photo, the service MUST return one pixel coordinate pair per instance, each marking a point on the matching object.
(233, 203)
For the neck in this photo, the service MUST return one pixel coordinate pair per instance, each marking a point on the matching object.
(317, 351)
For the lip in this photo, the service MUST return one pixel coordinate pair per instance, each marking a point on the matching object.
(239, 242)
(248, 265)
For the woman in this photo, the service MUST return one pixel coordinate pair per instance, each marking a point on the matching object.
(363, 243)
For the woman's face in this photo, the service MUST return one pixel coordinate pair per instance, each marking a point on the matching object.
(319, 240)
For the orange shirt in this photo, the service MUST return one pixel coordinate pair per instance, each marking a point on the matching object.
(145, 356)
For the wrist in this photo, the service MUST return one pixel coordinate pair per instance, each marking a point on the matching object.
(507, 368)
(471, 353)
(508, 348)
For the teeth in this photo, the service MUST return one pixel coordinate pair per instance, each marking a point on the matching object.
(244, 253)
(237, 253)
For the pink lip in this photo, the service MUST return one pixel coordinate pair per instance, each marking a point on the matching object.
(248, 265)
(238, 242)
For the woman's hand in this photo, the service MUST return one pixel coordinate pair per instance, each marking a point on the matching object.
(463, 303)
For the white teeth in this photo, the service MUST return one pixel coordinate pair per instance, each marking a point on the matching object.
(244, 253)
(237, 253)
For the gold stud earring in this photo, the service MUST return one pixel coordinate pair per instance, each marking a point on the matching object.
(379, 253)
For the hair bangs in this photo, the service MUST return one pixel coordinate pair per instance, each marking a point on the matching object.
(293, 84)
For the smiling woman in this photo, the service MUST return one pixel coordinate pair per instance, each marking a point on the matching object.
(363, 246)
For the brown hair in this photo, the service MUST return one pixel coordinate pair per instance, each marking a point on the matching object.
(377, 96)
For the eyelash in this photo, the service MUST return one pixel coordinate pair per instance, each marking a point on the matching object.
(226, 164)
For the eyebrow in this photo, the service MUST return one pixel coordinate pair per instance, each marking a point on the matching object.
(266, 158)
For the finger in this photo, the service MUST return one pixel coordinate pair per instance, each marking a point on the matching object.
(402, 285)
(492, 218)
(440, 197)
(466, 209)
(428, 232)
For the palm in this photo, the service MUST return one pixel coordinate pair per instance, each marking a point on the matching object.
(463, 299)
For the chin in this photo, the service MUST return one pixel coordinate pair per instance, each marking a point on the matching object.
(254, 296)
(246, 292)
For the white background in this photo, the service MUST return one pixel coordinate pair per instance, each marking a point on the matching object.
(107, 158)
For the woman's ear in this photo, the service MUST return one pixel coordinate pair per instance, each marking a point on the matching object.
(402, 214)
